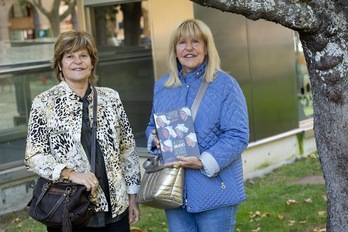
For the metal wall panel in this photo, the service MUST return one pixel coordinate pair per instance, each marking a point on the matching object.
(273, 76)
(260, 55)
(164, 16)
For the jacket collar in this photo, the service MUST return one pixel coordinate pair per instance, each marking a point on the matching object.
(72, 95)
(198, 72)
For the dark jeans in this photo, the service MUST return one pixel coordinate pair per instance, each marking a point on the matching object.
(119, 226)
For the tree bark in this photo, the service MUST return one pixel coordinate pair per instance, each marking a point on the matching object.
(322, 26)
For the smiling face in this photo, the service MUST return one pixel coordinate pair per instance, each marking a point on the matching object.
(159, 122)
(165, 133)
(77, 66)
(183, 115)
(190, 142)
(190, 52)
(179, 132)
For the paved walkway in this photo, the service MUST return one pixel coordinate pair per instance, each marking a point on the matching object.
(315, 179)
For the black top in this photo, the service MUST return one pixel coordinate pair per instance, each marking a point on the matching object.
(99, 219)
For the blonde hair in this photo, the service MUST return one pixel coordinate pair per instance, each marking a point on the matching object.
(72, 41)
(192, 28)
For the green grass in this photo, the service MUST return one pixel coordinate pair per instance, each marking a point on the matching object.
(275, 203)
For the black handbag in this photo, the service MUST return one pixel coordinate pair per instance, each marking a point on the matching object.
(60, 205)
(64, 205)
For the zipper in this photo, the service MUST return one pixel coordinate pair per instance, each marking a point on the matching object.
(223, 186)
(187, 86)
(184, 205)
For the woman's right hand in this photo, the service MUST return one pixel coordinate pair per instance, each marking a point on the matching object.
(87, 179)
(156, 140)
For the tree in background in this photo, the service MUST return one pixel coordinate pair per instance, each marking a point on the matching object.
(53, 16)
(322, 26)
(131, 23)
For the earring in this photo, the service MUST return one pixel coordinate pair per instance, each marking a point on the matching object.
(60, 69)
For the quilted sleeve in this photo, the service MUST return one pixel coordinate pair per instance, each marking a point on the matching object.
(227, 131)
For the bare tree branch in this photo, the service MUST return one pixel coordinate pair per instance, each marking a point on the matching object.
(294, 14)
(38, 4)
(53, 15)
(70, 9)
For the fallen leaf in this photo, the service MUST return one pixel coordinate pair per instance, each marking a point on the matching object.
(325, 197)
(281, 217)
(291, 202)
(265, 214)
(322, 213)
(254, 214)
(136, 229)
(308, 200)
(258, 229)
(319, 230)
(16, 220)
(291, 223)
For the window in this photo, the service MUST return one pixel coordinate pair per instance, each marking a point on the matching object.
(125, 62)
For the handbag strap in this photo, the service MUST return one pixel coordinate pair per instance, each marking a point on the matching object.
(94, 129)
(58, 203)
(202, 88)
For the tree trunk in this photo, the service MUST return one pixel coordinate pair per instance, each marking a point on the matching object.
(55, 27)
(132, 14)
(322, 25)
(327, 66)
(53, 15)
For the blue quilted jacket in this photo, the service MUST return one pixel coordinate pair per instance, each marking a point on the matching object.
(222, 131)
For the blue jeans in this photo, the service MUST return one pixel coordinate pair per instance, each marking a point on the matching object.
(215, 220)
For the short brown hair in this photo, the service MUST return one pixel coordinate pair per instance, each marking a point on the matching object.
(71, 41)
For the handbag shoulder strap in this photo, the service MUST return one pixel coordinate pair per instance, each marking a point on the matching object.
(94, 128)
(202, 88)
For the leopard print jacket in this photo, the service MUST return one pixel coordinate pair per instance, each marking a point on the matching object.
(53, 142)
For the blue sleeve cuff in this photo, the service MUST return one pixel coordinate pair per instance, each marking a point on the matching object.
(210, 166)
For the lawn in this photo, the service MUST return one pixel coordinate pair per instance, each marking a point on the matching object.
(277, 202)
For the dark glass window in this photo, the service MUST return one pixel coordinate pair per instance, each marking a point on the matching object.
(125, 58)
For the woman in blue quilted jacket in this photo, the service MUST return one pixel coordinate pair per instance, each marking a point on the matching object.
(214, 184)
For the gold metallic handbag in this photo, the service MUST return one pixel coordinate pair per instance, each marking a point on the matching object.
(161, 187)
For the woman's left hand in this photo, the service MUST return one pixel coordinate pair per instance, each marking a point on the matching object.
(187, 162)
(133, 211)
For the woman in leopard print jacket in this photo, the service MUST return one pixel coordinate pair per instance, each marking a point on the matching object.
(59, 134)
